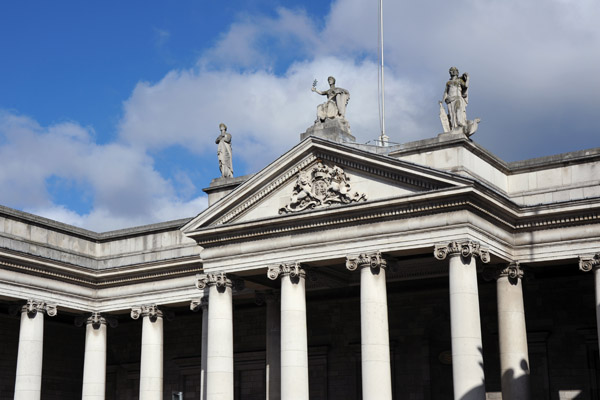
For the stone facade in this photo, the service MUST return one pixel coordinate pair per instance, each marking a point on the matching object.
(428, 270)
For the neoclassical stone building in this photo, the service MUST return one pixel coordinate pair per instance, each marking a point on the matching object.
(428, 270)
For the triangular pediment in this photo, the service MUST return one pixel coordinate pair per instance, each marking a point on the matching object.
(317, 175)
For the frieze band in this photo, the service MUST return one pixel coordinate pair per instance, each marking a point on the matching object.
(373, 260)
(34, 306)
(586, 264)
(293, 270)
(465, 248)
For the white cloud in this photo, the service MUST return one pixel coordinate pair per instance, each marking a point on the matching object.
(126, 188)
(257, 41)
(534, 83)
(532, 69)
(265, 113)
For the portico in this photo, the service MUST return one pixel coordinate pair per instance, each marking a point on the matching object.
(396, 276)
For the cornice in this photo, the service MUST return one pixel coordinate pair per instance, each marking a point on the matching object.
(284, 169)
(95, 237)
(103, 278)
(406, 178)
(501, 211)
(509, 168)
(256, 197)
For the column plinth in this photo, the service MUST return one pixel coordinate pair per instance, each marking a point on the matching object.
(294, 341)
(465, 326)
(28, 382)
(512, 332)
(374, 328)
(94, 364)
(219, 353)
(151, 363)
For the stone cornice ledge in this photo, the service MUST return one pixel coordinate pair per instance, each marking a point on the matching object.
(99, 278)
(85, 234)
(308, 151)
(499, 210)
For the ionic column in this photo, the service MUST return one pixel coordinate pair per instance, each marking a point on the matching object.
(28, 382)
(294, 342)
(374, 329)
(219, 361)
(151, 363)
(273, 367)
(587, 264)
(512, 332)
(467, 350)
(94, 363)
(198, 305)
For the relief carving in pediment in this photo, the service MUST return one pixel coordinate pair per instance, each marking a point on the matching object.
(320, 187)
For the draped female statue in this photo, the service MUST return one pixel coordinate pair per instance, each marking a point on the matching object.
(224, 152)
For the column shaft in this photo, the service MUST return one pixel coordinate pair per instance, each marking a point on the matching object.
(375, 341)
(273, 367)
(151, 364)
(94, 363)
(219, 363)
(597, 285)
(28, 383)
(294, 342)
(467, 350)
(514, 359)
(203, 355)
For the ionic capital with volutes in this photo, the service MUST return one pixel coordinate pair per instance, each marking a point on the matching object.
(199, 304)
(466, 248)
(148, 310)
(96, 320)
(512, 271)
(294, 270)
(34, 306)
(218, 279)
(587, 264)
(373, 260)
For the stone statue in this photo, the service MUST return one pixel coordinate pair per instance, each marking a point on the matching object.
(456, 97)
(337, 100)
(224, 152)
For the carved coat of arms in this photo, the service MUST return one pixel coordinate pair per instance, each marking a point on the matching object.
(321, 186)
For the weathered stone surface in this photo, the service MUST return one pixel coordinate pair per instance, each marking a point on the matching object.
(224, 152)
(456, 97)
(336, 130)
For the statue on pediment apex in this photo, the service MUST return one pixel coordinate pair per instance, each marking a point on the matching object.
(337, 100)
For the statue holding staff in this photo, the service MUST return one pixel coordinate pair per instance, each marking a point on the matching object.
(337, 100)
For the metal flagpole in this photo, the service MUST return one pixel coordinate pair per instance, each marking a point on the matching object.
(383, 138)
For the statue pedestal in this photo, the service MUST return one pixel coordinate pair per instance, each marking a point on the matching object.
(221, 187)
(336, 130)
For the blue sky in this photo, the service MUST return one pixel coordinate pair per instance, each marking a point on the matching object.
(109, 111)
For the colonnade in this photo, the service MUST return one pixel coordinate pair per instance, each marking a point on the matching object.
(287, 341)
